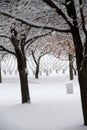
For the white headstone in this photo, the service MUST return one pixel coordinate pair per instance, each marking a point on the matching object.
(69, 88)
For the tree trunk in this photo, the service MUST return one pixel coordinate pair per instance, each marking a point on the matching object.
(21, 62)
(83, 84)
(23, 79)
(82, 72)
(24, 87)
(83, 87)
(37, 71)
(0, 74)
(37, 62)
(70, 67)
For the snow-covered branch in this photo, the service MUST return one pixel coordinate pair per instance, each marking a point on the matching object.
(36, 37)
(4, 36)
(36, 25)
(6, 50)
(59, 11)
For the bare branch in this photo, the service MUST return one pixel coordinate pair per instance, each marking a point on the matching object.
(34, 57)
(30, 42)
(44, 53)
(4, 36)
(6, 50)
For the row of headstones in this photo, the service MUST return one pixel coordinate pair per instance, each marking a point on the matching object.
(10, 72)
(47, 72)
(69, 86)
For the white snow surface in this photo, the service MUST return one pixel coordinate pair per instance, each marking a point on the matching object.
(51, 107)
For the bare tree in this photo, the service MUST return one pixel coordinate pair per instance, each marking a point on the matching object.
(38, 50)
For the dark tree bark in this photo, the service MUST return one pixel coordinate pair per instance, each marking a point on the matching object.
(37, 71)
(0, 74)
(21, 62)
(82, 75)
(70, 67)
(37, 63)
(82, 72)
(23, 79)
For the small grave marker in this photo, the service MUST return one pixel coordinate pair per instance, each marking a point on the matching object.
(69, 88)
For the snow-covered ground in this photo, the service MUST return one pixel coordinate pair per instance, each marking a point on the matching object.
(51, 107)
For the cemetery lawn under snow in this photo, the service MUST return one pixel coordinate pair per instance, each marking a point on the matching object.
(51, 107)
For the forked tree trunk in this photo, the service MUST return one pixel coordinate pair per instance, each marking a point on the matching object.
(21, 63)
